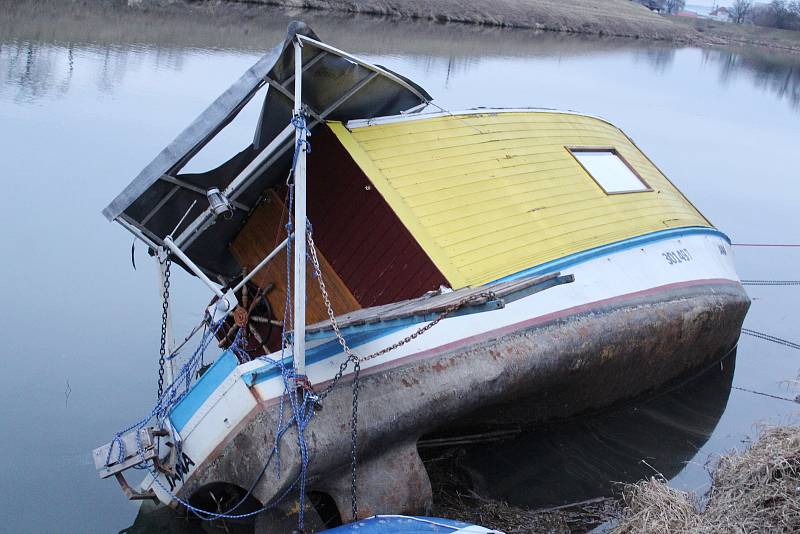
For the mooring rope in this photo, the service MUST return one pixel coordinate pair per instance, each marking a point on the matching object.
(770, 395)
(771, 282)
(161, 411)
(172, 394)
(773, 339)
(302, 411)
(777, 245)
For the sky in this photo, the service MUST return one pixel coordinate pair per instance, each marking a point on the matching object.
(708, 3)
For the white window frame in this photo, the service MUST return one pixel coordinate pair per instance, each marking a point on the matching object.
(611, 150)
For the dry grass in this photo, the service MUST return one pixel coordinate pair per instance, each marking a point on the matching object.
(473, 508)
(453, 498)
(753, 491)
(622, 18)
(714, 32)
(599, 17)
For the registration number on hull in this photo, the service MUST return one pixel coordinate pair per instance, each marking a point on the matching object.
(677, 256)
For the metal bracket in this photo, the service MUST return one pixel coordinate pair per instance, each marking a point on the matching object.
(131, 493)
(134, 452)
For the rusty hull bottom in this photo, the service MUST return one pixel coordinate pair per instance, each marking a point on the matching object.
(575, 364)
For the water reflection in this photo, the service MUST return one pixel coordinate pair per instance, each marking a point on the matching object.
(33, 70)
(768, 71)
(43, 44)
(577, 460)
(659, 58)
(90, 90)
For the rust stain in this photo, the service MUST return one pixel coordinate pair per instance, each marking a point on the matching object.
(439, 367)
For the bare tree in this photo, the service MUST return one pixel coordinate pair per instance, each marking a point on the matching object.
(781, 12)
(673, 6)
(653, 5)
(740, 9)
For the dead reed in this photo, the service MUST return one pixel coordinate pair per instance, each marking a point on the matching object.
(756, 490)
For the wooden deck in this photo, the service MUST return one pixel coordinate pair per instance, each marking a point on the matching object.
(483, 298)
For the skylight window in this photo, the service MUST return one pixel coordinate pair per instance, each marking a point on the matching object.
(611, 172)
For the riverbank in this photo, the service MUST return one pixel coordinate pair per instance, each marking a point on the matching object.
(752, 491)
(618, 18)
(725, 33)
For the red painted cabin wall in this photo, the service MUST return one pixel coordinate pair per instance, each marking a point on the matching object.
(362, 238)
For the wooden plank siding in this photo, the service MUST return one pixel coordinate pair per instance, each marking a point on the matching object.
(265, 229)
(367, 255)
(372, 251)
(490, 194)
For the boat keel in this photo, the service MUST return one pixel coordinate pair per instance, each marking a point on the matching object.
(391, 481)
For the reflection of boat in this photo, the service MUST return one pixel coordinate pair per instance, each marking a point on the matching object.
(587, 457)
(471, 257)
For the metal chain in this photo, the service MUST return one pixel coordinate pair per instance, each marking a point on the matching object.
(489, 295)
(354, 441)
(164, 318)
(351, 356)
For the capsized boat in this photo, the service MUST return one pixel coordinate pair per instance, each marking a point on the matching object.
(418, 269)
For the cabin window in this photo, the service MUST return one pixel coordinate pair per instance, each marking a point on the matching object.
(609, 169)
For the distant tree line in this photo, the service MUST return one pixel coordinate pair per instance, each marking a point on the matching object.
(783, 14)
(664, 6)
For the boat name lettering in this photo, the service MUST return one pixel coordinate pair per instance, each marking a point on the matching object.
(677, 256)
(181, 468)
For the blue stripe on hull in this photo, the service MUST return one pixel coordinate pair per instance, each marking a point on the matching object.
(185, 408)
(363, 334)
(581, 257)
(321, 352)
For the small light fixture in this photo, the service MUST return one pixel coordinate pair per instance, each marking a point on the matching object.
(219, 203)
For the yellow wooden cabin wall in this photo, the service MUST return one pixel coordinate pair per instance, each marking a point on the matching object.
(488, 195)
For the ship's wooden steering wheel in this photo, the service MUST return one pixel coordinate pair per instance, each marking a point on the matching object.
(253, 317)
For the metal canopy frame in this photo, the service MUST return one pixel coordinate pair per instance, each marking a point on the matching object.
(165, 168)
(281, 143)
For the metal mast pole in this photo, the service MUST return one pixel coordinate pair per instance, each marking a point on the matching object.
(299, 338)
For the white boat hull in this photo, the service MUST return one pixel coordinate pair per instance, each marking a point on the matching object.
(635, 316)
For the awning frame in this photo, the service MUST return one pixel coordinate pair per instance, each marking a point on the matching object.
(165, 167)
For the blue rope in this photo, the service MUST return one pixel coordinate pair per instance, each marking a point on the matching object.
(302, 412)
(172, 394)
(299, 123)
(206, 515)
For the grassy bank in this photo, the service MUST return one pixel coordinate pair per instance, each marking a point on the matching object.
(622, 18)
(712, 32)
(599, 17)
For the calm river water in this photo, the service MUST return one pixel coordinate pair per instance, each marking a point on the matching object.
(89, 92)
